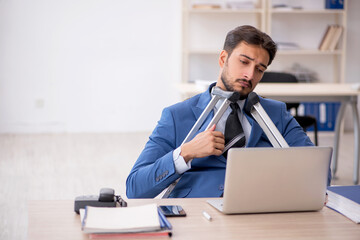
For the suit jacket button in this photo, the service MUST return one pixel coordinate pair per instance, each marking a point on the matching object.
(221, 187)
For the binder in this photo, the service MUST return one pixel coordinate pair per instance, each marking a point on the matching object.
(324, 112)
(334, 4)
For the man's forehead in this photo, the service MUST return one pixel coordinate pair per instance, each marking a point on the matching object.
(253, 59)
(253, 52)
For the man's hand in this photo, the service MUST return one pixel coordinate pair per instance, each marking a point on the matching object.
(209, 142)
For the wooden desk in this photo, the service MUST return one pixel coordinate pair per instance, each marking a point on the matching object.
(57, 220)
(311, 92)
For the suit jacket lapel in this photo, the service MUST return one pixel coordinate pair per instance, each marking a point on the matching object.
(201, 105)
(256, 132)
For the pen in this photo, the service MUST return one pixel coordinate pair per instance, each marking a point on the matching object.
(207, 216)
(164, 223)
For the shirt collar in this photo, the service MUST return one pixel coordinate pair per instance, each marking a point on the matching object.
(241, 103)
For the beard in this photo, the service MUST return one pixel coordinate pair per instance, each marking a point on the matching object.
(230, 87)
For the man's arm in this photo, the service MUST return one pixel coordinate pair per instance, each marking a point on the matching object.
(155, 170)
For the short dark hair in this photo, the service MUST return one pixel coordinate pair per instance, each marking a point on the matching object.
(250, 35)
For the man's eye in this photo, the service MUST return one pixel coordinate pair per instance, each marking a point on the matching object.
(260, 70)
(243, 62)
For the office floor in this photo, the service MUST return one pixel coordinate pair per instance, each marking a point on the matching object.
(63, 166)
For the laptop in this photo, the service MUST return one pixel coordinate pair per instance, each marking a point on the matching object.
(260, 180)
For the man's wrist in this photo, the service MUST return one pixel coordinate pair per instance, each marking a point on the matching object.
(181, 165)
(185, 154)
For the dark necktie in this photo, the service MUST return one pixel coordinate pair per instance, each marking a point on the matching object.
(234, 133)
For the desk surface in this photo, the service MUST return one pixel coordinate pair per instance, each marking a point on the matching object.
(57, 220)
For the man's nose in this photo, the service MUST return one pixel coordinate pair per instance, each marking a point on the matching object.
(249, 73)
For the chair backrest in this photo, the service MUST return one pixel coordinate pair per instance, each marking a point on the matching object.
(281, 77)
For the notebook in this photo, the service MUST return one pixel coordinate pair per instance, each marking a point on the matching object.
(260, 180)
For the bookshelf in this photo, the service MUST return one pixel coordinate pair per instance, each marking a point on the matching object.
(306, 27)
(204, 30)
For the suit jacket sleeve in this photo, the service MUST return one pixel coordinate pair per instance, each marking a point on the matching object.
(284, 121)
(154, 170)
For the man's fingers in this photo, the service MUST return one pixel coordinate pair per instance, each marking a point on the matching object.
(219, 146)
(212, 128)
(218, 152)
(219, 139)
(207, 143)
(218, 135)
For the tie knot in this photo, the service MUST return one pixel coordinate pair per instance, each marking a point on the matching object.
(234, 106)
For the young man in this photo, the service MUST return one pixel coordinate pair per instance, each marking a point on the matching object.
(200, 162)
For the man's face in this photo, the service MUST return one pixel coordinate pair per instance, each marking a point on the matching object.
(243, 69)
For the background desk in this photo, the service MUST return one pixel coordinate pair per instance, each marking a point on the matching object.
(57, 220)
(311, 92)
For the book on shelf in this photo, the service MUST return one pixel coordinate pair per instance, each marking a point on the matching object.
(286, 7)
(345, 200)
(206, 6)
(111, 223)
(331, 38)
(236, 5)
(324, 38)
(287, 46)
(336, 37)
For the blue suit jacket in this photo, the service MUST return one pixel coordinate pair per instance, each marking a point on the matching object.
(154, 170)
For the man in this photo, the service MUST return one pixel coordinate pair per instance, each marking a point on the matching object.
(200, 162)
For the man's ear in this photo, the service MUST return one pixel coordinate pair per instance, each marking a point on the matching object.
(222, 58)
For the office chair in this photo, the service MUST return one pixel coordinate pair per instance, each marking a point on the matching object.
(304, 121)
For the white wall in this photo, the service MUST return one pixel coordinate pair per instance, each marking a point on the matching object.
(94, 66)
(87, 65)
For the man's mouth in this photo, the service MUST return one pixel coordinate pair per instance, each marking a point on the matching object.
(244, 83)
